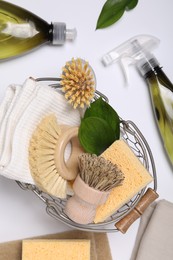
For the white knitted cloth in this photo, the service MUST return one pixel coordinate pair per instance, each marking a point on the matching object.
(20, 114)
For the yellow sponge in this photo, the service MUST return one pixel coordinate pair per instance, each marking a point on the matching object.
(136, 178)
(65, 249)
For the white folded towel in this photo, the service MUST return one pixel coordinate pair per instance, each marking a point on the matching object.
(6, 107)
(33, 102)
(22, 98)
(154, 240)
(6, 102)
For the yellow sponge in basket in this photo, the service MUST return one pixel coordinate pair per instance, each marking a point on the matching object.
(136, 178)
(50, 249)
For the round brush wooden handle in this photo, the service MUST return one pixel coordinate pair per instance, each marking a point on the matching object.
(149, 196)
(68, 170)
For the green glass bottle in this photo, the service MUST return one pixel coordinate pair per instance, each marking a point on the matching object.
(161, 91)
(22, 31)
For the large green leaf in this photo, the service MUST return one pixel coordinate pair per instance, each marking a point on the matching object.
(95, 135)
(103, 110)
(112, 11)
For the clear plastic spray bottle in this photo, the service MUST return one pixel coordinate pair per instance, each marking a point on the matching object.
(22, 31)
(138, 52)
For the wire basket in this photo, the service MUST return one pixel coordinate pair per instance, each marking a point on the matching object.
(134, 138)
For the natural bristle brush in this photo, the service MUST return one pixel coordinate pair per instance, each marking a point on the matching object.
(78, 82)
(97, 176)
(46, 156)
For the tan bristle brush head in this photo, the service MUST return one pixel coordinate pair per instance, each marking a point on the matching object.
(47, 147)
(41, 158)
(78, 83)
(99, 173)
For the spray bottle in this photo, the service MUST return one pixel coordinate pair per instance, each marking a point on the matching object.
(138, 52)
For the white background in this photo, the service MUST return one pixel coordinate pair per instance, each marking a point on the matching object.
(22, 214)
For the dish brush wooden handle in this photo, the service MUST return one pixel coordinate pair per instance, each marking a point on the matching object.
(149, 196)
(68, 170)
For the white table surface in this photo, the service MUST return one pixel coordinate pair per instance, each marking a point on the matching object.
(22, 214)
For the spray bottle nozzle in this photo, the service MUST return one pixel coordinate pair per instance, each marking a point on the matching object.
(134, 51)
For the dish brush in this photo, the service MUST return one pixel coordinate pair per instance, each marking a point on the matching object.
(46, 156)
(97, 176)
(78, 83)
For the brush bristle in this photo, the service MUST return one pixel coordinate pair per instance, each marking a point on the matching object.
(42, 157)
(78, 83)
(99, 173)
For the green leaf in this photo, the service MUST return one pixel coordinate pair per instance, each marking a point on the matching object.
(103, 110)
(95, 135)
(112, 11)
(99, 128)
(132, 4)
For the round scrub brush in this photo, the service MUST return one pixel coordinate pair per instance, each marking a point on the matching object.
(78, 82)
(46, 156)
(92, 186)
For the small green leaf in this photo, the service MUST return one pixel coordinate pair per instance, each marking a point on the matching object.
(95, 135)
(103, 110)
(132, 4)
(112, 11)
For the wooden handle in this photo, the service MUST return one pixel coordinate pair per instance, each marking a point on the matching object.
(149, 196)
(68, 170)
